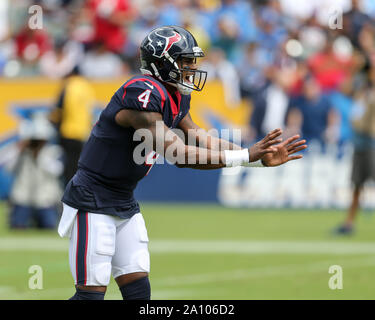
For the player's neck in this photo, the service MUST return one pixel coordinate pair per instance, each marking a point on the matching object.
(171, 89)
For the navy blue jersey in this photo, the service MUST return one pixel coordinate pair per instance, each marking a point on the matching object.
(107, 174)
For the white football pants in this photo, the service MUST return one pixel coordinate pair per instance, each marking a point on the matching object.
(101, 245)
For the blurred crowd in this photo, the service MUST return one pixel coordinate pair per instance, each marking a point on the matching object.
(305, 66)
(280, 55)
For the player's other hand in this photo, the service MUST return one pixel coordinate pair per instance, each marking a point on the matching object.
(284, 152)
(265, 146)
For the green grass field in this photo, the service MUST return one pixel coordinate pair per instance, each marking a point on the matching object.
(211, 252)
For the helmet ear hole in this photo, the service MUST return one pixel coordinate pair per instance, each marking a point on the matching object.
(174, 75)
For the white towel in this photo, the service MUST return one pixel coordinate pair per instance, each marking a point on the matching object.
(67, 221)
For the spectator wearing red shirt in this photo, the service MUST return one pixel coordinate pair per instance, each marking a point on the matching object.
(31, 44)
(109, 19)
(329, 69)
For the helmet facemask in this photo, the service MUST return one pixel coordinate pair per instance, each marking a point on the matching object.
(185, 78)
(176, 73)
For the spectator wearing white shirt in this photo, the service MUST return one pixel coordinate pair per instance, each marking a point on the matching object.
(219, 68)
(58, 63)
(100, 63)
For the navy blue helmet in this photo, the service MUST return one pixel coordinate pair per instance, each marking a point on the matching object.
(163, 48)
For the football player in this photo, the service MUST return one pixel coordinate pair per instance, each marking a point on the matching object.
(101, 217)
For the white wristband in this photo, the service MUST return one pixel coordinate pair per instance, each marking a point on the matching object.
(234, 158)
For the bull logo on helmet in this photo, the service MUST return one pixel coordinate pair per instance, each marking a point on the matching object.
(161, 44)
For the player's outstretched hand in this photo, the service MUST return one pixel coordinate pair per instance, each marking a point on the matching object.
(265, 146)
(284, 152)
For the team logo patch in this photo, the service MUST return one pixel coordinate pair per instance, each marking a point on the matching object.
(161, 43)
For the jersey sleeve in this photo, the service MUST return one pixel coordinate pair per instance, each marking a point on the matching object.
(142, 96)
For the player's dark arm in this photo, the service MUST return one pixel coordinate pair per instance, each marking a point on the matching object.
(281, 151)
(202, 138)
(199, 158)
(152, 121)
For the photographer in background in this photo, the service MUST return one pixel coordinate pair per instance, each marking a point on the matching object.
(36, 189)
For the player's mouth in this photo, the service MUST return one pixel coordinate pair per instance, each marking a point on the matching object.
(189, 80)
(193, 78)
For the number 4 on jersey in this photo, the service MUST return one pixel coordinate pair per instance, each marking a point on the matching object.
(145, 98)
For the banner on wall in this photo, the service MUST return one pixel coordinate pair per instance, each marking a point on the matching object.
(208, 108)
